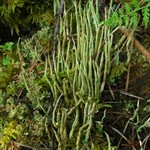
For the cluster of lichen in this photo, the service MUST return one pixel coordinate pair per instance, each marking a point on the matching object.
(56, 98)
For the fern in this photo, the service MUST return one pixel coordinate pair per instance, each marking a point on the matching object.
(146, 15)
(127, 8)
(135, 4)
(125, 17)
(115, 17)
(120, 20)
(130, 12)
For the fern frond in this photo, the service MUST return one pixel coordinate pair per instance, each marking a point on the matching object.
(146, 16)
(135, 4)
(127, 8)
(115, 18)
(121, 14)
(134, 19)
(129, 13)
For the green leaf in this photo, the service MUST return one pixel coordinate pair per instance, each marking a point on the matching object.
(115, 18)
(127, 8)
(146, 15)
(134, 19)
(135, 4)
(6, 61)
(120, 19)
(8, 46)
(126, 20)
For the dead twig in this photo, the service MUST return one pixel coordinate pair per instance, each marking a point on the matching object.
(136, 43)
(131, 95)
(127, 80)
(124, 138)
(56, 31)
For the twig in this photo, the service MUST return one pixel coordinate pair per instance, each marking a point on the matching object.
(131, 95)
(56, 31)
(145, 141)
(126, 126)
(23, 145)
(124, 137)
(140, 142)
(136, 43)
(111, 91)
(128, 76)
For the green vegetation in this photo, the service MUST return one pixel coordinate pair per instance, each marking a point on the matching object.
(130, 11)
(73, 97)
(23, 13)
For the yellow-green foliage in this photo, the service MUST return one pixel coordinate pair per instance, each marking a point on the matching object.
(19, 13)
(9, 132)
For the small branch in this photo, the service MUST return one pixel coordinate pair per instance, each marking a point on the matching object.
(56, 31)
(124, 138)
(127, 80)
(136, 43)
(131, 95)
